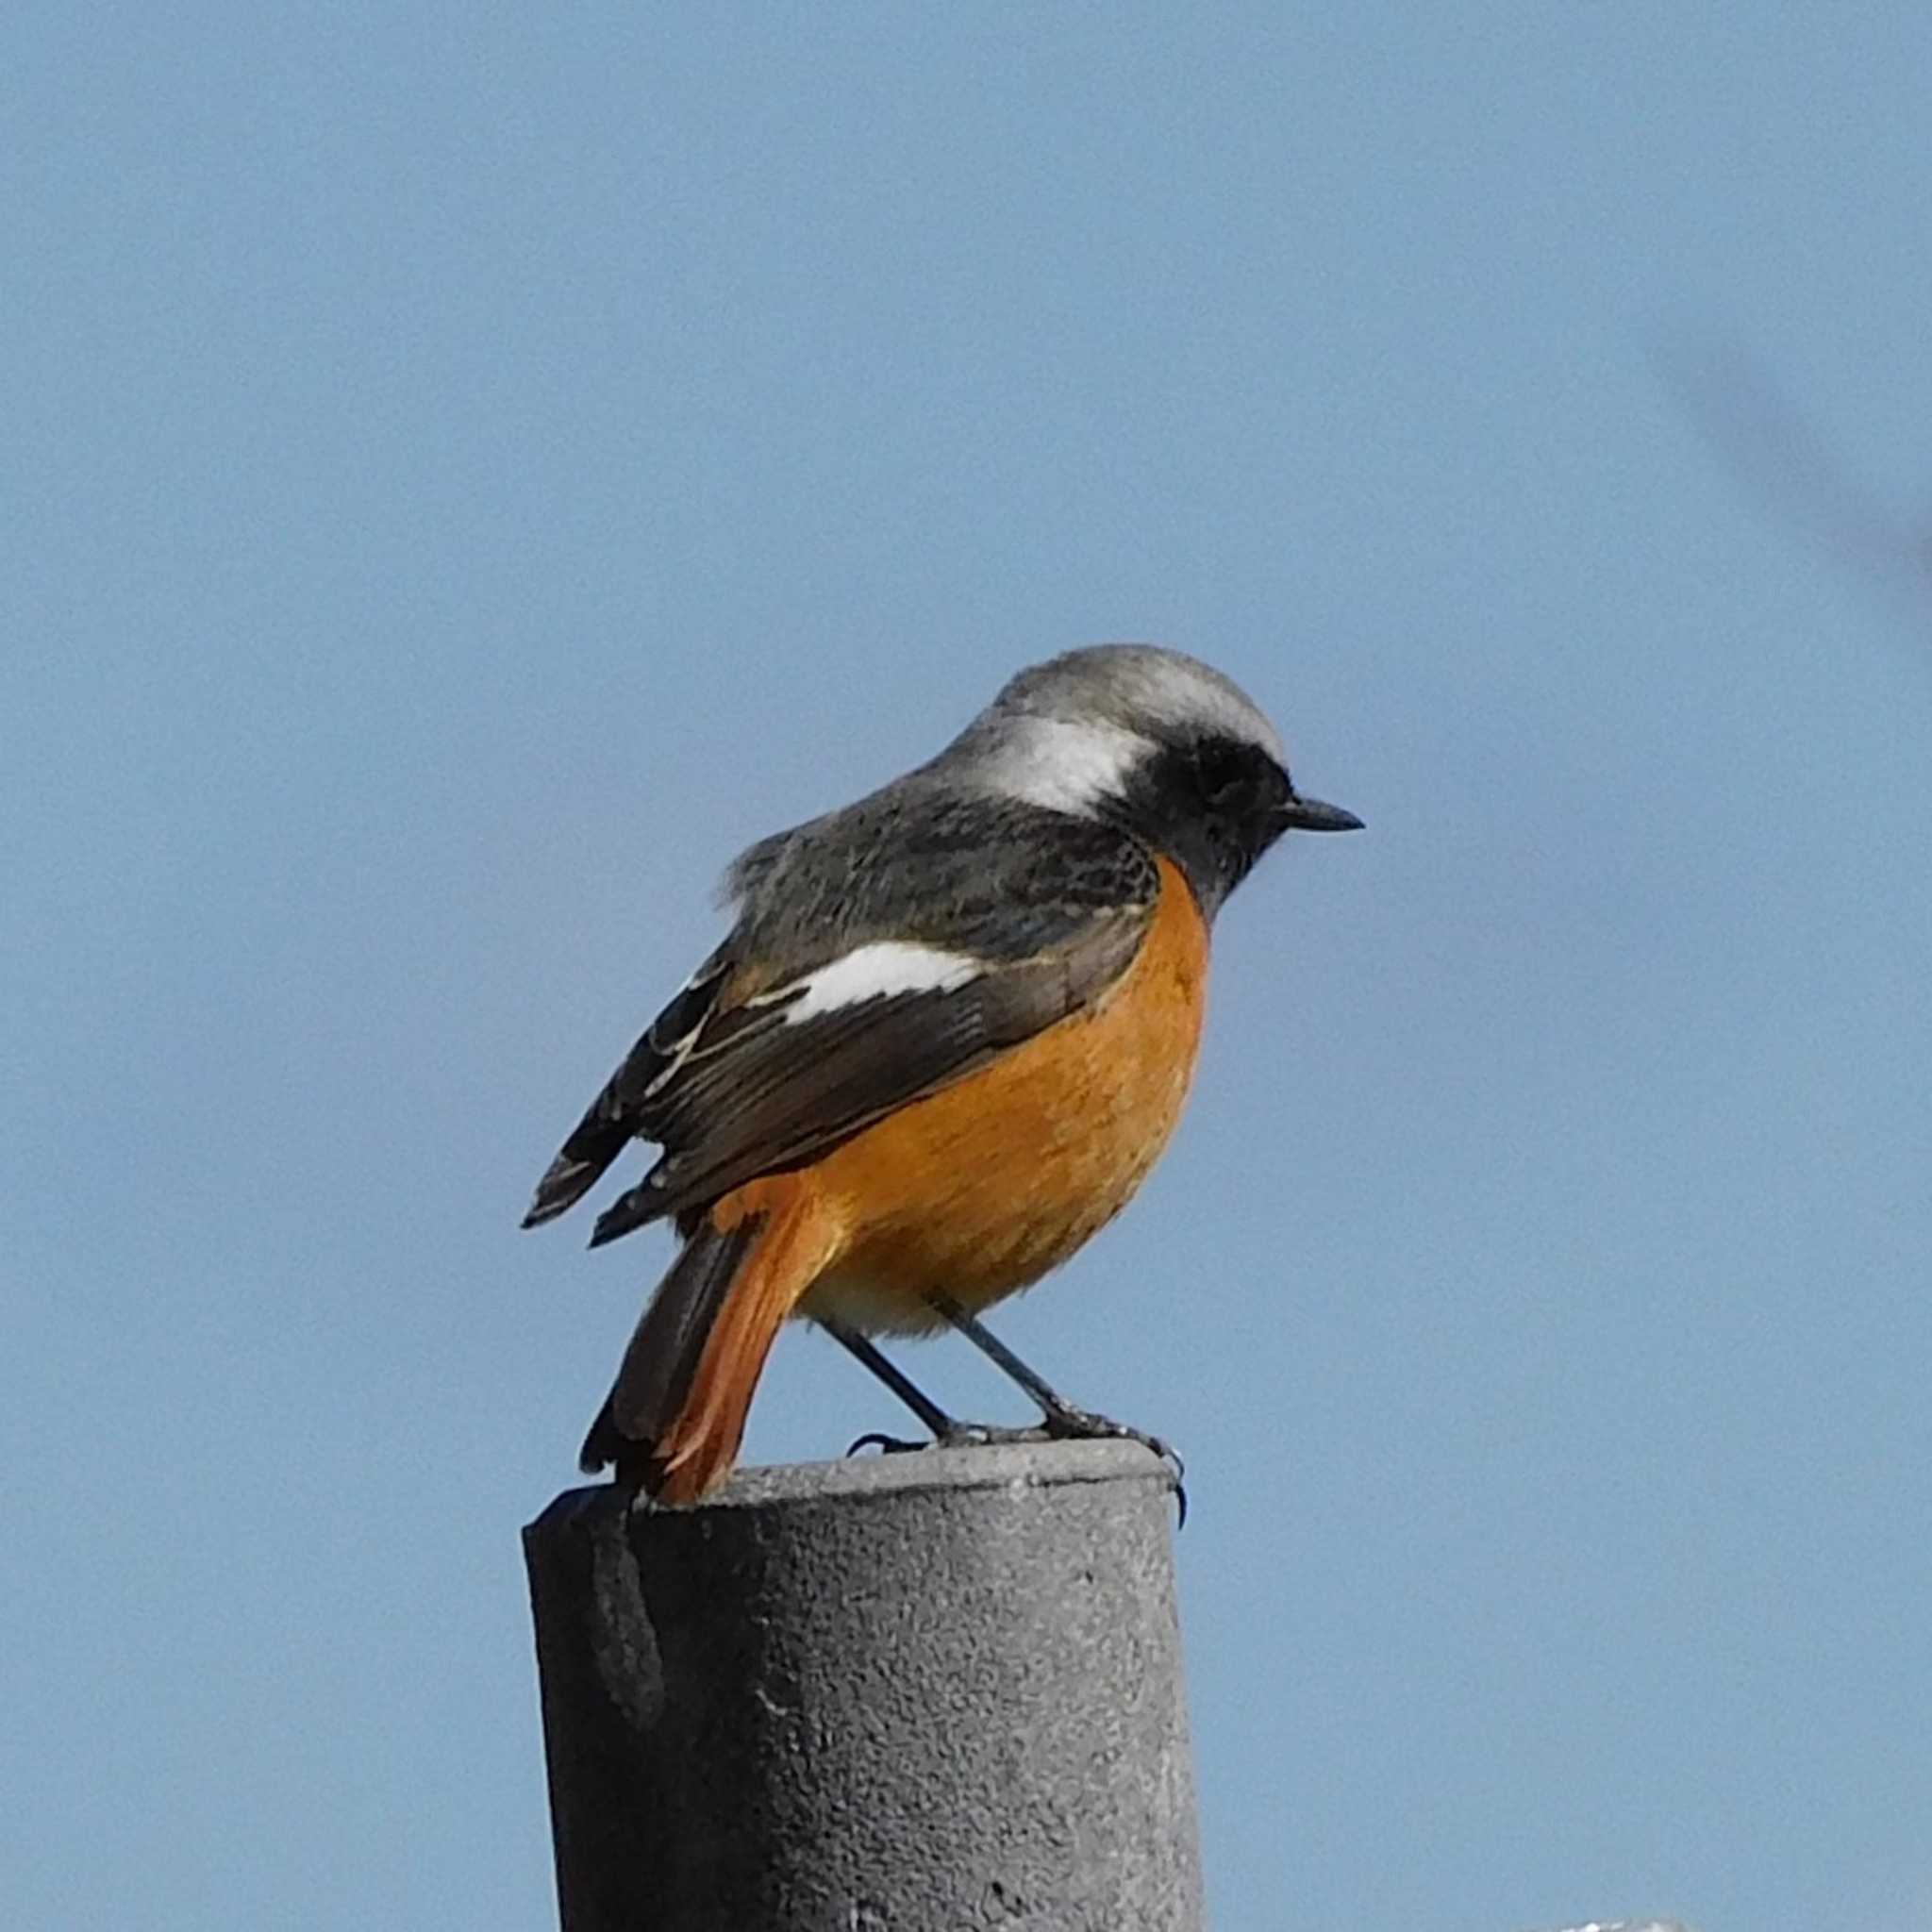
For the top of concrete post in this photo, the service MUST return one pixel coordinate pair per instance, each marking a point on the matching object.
(996, 1466)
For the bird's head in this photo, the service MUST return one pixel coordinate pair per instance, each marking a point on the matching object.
(1155, 741)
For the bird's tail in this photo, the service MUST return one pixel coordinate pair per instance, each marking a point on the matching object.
(675, 1417)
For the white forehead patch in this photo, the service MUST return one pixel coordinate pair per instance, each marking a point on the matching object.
(1063, 764)
(876, 971)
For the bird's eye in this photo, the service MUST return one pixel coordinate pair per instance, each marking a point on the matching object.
(1224, 770)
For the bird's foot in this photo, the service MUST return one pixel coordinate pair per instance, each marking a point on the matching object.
(1067, 1421)
(954, 1435)
(1064, 1424)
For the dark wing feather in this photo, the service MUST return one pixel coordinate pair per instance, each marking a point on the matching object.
(731, 1087)
(782, 1095)
(610, 1123)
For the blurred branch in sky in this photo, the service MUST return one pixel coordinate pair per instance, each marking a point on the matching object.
(1766, 438)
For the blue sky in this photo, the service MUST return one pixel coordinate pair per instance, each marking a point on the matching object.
(468, 470)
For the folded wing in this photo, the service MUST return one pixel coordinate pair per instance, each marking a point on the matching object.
(737, 1078)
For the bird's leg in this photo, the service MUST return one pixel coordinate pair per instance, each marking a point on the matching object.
(948, 1431)
(909, 1392)
(1063, 1419)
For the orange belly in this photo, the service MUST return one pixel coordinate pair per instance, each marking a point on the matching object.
(980, 1188)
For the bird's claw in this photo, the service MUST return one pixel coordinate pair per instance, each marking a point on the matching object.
(1070, 1423)
(885, 1444)
(1066, 1424)
(954, 1436)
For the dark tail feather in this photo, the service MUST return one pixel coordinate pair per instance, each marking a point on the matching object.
(663, 1359)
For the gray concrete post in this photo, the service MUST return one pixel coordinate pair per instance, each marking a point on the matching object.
(902, 1693)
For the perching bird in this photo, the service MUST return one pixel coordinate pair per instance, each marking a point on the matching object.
(948, 1034)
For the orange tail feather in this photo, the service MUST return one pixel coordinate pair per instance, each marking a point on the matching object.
(694, 1451)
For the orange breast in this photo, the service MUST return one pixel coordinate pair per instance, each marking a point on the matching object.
(982, 1188)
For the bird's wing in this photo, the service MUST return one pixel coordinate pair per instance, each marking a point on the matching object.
(740, 1076)
(614, 1119)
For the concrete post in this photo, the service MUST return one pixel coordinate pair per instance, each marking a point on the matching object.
(902, 1693)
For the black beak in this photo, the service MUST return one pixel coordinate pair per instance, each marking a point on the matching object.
(1311, 815)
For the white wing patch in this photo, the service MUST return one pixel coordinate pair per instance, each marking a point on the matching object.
(876, 972)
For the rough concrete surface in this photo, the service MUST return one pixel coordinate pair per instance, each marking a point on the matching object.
(935, 1692)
